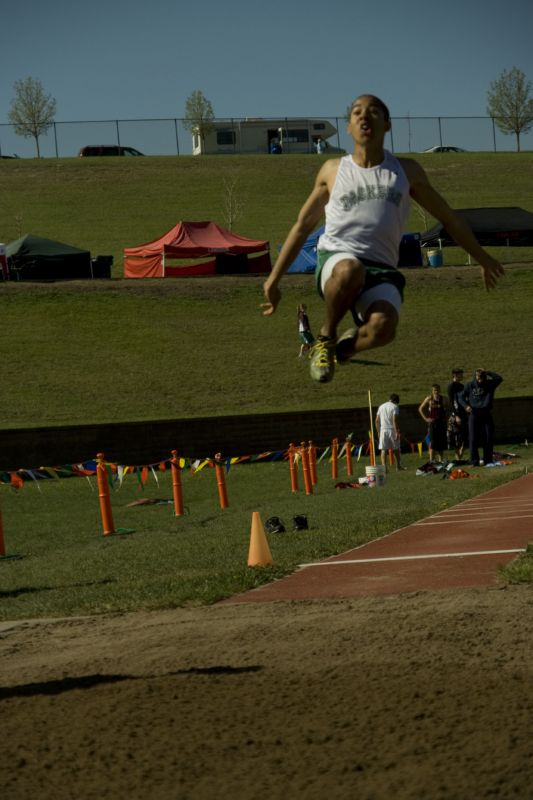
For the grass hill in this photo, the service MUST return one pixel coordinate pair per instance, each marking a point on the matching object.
(96, 351)
(78, 352)
(106, 204)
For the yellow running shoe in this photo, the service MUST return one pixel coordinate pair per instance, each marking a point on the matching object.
(322, 355)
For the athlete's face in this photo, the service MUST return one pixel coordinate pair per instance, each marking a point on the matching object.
(368, 122)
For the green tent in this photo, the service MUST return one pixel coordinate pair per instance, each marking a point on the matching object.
(33, 258)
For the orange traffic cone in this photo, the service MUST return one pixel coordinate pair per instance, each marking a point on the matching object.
(259, 554)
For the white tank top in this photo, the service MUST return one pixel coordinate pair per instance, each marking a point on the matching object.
(367, 210)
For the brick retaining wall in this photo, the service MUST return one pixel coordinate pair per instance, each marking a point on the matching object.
(149, 442)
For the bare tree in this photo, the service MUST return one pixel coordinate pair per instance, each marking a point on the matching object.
(199, 114)
(32, 111)
(509, 103)
(233, 204)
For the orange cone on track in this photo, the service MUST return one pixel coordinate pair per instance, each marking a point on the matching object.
(259, 554)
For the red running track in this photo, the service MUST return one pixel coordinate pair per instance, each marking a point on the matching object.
(460, 547)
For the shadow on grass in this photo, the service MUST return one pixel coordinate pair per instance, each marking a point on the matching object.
(367, 363)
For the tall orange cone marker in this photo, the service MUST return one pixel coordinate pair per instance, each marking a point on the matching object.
(2, 543)
(372, 443)
(259, 554)
(349, 466)
(293, 468)
(391, 457)
(312, 462)
(176, 484)
(3, 555)
(221, 482)
(103, 494)
(370, 449)
(335, 459)
(308, 483)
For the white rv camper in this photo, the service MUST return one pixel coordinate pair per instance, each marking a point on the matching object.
(233, 136)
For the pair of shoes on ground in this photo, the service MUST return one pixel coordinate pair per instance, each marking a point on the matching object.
(326, 352)
(276, 525)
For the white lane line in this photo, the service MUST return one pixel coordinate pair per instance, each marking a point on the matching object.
(502, 504)
(495, 508)
(412, 558)
(489, 512)
(465, 520)
(492, 500)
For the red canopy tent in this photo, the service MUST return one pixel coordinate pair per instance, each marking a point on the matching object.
(189, 240)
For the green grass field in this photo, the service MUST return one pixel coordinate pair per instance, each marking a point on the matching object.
(113, 350)
(85, 352)
(107, 204)
(67, 566)
(116, 350)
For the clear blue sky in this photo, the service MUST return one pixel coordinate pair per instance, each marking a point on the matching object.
(126, 59)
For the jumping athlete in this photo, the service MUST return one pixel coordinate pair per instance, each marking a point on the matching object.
(365, 198)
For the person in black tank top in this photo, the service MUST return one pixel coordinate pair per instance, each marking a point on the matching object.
(432, 409)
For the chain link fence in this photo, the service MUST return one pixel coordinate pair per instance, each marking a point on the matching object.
(165, 137)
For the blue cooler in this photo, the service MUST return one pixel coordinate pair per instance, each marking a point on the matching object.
(435, 258)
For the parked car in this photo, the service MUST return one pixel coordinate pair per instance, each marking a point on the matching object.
(441, 149)
(13, 156)
(108, 150)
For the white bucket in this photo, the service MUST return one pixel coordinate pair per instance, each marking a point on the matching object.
(375, 476)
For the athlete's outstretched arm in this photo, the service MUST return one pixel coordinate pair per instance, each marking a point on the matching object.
(310, 215)
(428, 197)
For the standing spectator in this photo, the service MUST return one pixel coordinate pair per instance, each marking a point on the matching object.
(304, 330)
(432, 409)
(320, 146)
(476, 398)
(458, 419)
(388, 430)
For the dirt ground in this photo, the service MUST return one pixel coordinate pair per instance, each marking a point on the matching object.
(423, 695)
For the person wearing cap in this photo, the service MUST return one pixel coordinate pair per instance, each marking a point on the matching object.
(458, 420)
(477, 398)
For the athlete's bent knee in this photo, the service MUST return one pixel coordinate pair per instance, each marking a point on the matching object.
(348, 273)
